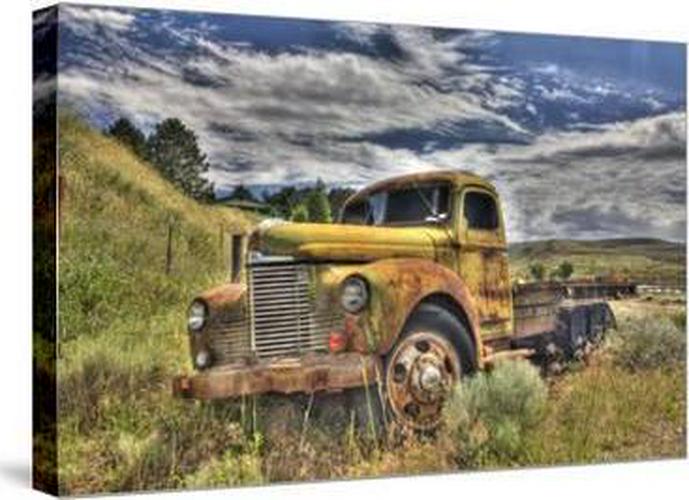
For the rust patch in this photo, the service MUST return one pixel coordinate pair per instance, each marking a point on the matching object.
(398, 287)
(423, 369)
(219, 297)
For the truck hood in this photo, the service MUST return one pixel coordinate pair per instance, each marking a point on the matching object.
(349, 242)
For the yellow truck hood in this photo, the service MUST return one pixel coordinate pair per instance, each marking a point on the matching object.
(350, 242)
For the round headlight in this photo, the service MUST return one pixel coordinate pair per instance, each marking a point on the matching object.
(354, 294)
(203, 359)
(197, 316)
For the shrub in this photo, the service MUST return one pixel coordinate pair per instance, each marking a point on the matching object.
(537, 271)
(565, 270)
(487, 414)
(649, 342)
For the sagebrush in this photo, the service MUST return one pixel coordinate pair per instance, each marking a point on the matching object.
(649, 342)
(489, 413)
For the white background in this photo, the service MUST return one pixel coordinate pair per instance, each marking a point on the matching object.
(656, 20)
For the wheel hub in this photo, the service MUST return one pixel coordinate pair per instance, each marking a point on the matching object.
(421, 372)
(430, 379)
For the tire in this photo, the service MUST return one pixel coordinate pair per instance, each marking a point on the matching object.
(434, 346)
(438, 319)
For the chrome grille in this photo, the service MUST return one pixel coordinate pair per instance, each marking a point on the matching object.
(284, 318)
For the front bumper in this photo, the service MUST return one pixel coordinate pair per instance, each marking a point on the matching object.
(310, 373)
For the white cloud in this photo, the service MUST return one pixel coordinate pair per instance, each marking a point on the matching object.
(44, 86)
(653, 103)
(87, 17)
(360, 33)
(625, 179)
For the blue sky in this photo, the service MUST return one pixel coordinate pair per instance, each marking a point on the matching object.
(584, 137)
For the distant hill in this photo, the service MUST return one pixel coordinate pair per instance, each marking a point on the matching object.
(630, 257)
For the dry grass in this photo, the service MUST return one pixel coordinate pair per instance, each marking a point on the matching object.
(604, 413)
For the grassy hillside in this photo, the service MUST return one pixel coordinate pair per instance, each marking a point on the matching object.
(122, 315)
(632, 257)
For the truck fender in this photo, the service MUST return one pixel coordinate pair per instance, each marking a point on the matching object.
(397, 288)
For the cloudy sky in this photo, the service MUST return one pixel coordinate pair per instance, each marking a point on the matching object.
(585, 138)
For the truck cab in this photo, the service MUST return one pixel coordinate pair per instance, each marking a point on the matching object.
(468, 209)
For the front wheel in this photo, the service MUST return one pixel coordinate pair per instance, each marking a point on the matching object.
(421, 372)
(433, 353)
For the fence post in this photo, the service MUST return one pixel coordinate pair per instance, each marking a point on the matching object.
(168, 253)
(221, 243)
(236, 259)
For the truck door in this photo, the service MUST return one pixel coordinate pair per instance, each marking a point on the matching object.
(482, 258)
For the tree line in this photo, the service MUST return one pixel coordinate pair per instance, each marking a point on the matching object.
(173, 149)
(314, 203)
(562, 272)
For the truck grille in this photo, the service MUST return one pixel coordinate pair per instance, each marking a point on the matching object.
(284, 318)
(229, 337)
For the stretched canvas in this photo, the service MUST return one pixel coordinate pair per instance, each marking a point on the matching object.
(270, 250)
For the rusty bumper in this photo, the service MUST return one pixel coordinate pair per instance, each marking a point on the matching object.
(311, 373)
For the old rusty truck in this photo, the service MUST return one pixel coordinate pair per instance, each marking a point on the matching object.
(406, 293)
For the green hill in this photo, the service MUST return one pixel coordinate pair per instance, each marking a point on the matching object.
(123, 312)
(636, 258)
(117, 214)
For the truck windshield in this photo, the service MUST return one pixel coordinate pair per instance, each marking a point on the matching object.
(408, 206)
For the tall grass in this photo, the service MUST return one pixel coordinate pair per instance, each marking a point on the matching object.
(122, 332)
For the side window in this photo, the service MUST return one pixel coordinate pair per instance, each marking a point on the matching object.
(480, 211)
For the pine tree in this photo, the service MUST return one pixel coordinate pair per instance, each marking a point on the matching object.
(283, 201)
(318, 205)
(299, 213)
(174, 151)
(128, 134)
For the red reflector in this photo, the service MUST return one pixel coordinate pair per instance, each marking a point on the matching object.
(337, 342)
